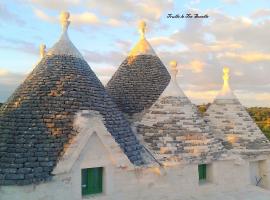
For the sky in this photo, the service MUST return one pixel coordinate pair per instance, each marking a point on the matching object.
(236, 35)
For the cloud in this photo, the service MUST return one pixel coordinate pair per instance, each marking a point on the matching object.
(162, 41)
(148, 9)
(108, 12)
(3, 72)
(196, 66)
(248, 57)
(230, 1)
(261, 13)
(8, 16)
(9, 81)
(54, 5)
(19, 45)
(84, 18)
(78, 19)
(43, 16)
(193, 32)
(241, 30)
(263, 96)
(216, 46)
(111, 58)
(104, 73)
(114, 22)
(124, 45)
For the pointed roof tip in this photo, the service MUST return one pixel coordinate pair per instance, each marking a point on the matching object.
(142, 29)
(42, 50)
(173, 89)
(143, 47)
(173, 66)
(64, 20)
(64, 46)
(226, 92)
(173, 69)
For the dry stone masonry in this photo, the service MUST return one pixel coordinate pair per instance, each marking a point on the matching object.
(233, 125)
(140, 79)
(174, 130)
(36, 123)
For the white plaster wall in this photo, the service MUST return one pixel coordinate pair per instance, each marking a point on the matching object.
(263, 162)
(231, 174)
(149, 183)
(266, 173)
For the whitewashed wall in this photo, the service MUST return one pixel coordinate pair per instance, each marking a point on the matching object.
(123, 181)
(144, 183)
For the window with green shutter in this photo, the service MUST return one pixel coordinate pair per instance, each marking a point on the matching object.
(202, 172)
(92, 180)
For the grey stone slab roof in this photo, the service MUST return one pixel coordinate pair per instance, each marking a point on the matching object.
(36, 123)
(174, 130)
(138, 82)
(231, 122)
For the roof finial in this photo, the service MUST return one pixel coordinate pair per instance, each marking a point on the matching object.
(42, 50)
(226, 78)
(64, 20)
(173, 88)
(142, 28)
(174, 69)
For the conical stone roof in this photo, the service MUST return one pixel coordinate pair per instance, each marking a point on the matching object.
(140, 79)
(36, 123)
(232, 124)
(174, 130)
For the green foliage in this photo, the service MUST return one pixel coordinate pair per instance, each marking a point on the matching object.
(261, 116)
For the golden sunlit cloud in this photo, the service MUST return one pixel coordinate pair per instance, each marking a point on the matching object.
(263, 96)
(215, 46)
(43, 16)
(196, 66)
(3, 72)
(248, 57)
(84, 18)
(114, 22)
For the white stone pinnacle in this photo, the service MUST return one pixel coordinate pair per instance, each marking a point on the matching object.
(142, 28)
(64, 46)
(64, 16)
(142, 47)
(226, 92)
(173, 88)
(42, 50)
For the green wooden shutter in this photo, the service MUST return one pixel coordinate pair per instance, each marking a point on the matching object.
(92, 180)
(202, 172)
